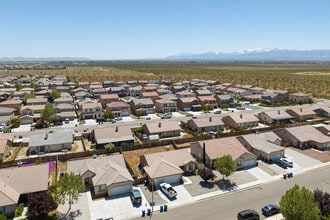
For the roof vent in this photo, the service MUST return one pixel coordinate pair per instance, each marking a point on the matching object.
(301, 109)
(159, 124)
(210, 119)
(116, 130)
(241, 116)
(46, 137)
(279, 112)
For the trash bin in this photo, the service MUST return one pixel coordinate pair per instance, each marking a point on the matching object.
(256, 163)
(291, 174)
(284, 175)
(143, 213)
(148, 212)
(161, 208)
(165, 208)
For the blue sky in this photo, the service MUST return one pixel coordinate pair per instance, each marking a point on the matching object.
(131, 29)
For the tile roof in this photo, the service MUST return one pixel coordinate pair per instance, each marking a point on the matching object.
(264, 142)
(113, 134)
(108, 170)
(163, 126)
(243, 118)
(58, 137)
(207, 122)
(216, 148)
(278, 114)
(22, 180)
(308, 133)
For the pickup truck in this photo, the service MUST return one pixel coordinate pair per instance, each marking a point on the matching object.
(168, 190)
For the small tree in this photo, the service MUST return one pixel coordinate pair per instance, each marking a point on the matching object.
(299, 203)
(108, 115)
(18, 86)
(55, 93)
(39, 205)
(48, 113)
(68, 189)
(225, 165)
(29, 96)
(109, 146)
(38, 161)
(323, 200)
(206, 174)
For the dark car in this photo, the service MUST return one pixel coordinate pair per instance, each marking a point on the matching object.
(248, 214)
(135, 195)
(269, 210)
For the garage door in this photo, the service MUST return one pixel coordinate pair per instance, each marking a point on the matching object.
(120, 190)
(249, 163)
(170, 179)
(26, 121)
(275, 157)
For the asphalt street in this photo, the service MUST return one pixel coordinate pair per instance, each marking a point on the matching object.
(228, 205)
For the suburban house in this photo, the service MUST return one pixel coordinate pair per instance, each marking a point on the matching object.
(12, 103)
(272, 98)
(108, 83)
(91, 110)
(31, 113)
(189, 104)
(119, 108)
(265, 145)
(239, 120)
(153, 95)
(83, 85)
(163, 129)
(165, 105)
(185, 94)
(36, 101)
(203, 92)
(209, 101)
(97, 92)
(216, 148)
(118, 136)
(65, 111)
(237, 93)
(225, 101)
(16, 183)
(82, 95)
(107, 98)
(274, 117)
(167, 166)
(118, 90)
(108, 175)
(324, 129)
(63, 100)
(51, 142)
(135, 91)
(302, 113)
(300, 98)
(143, 106)
(6, 114)
(206, 124)
(304, 137)
(256, 90)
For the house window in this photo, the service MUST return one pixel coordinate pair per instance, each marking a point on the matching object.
(101, 188)
(238, 163)
(191, 167)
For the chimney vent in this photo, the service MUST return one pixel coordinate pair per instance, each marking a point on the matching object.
(116, 130)
(241, 116)
(279, 112)
(160, 124)
(46, 136)
(210, 119)
(301, 109)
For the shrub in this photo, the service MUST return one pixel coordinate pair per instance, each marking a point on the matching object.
(19, 210)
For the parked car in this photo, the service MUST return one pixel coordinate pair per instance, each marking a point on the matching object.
(189, 115)
(135, 195)
(145, 137)
(148, 118)
(165, 116)
(118, 118)
(217, 112)
(269, 210)
(284, 162)
(67, 121)
(168, 190)
(248, 214)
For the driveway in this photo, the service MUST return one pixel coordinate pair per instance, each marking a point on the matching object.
(183, 196)
(117, 207)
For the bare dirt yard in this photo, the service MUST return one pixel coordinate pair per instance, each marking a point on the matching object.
(133, 157)
(323, 156)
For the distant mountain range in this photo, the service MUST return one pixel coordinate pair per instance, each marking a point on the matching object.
(250, 55)
(258, 55)
(41, 59)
